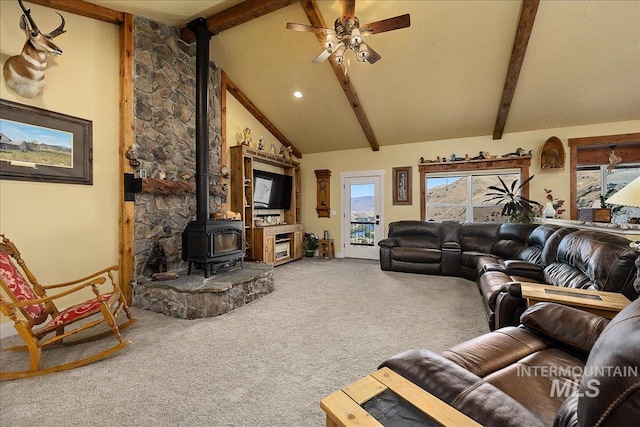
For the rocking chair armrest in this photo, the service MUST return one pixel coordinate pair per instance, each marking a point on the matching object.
(83, 279)
(95, 282)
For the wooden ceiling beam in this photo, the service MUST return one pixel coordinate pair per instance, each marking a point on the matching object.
(525, 25)
(82, 8)
(255, 112)
(236, 15)
(315, 18)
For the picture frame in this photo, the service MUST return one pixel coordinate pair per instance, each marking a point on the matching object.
(402, 191)
(44, 146)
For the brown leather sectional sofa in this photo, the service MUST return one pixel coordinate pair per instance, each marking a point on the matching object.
(500, 256)
(561, 366)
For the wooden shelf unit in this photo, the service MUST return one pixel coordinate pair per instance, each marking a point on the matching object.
(243, 161)
(277, 244)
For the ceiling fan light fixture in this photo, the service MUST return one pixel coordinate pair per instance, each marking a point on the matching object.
(330, 43)
(356, 37)
(363, 52)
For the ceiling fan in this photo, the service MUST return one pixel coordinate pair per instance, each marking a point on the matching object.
(348, 34)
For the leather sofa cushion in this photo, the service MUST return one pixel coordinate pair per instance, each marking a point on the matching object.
(461, 389)
(488, 353)
(533, 387)
(564, 275)
(470, 258)
(417, 255)
(566, 327)
(431, 242)
(605, 259)
(478, 236)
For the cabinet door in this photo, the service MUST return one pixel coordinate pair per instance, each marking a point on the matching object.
(297, 245)
(269, 250)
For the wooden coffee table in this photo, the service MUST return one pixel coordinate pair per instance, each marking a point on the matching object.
(605, 304)
(344, 408)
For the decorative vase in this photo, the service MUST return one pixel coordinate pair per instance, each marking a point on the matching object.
(548, 211)
(309, 252)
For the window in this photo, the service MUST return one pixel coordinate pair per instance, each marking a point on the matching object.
(462, 196)
(457, 189)
(594, 181)
(589, 157)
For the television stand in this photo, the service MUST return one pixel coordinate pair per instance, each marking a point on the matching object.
(277, 244)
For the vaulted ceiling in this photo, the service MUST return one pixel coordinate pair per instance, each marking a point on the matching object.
(441, 78)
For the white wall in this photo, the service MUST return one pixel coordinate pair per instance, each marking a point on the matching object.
(66, 231)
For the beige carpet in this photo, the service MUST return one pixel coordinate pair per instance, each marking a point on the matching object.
(266, 364)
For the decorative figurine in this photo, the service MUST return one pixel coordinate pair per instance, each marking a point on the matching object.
(157, 258)
(273, 148)
(421, 160)
(261, 143)
(244, 138)
(518, 153)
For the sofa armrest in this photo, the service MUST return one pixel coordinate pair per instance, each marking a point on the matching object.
(523, 268)
(509, 306)
(461, 389)
(390, 242)
(564, 326)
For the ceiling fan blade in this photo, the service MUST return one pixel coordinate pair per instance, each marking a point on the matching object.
(389, 24)
(308, 28)
(321, 57)
(373, 56)
(347, 10)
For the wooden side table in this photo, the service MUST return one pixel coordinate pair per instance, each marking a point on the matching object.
(345, 407)
(326, 248)
(605, 304)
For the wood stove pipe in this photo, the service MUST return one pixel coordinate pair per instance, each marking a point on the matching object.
(203, 35)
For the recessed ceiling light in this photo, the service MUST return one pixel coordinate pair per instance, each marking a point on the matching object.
(297, 94)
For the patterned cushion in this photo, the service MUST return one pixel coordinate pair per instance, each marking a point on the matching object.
(18, 286)
(76, 312)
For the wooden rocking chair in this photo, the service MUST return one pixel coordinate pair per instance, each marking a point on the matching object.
(29, 306)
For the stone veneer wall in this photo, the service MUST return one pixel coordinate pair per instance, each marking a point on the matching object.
(164, 128)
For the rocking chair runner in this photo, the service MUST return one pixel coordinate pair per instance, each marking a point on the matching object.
(29, 306)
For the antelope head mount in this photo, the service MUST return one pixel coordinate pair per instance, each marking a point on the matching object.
(24, 73)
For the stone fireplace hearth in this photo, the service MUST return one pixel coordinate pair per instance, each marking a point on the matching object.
(195, 297)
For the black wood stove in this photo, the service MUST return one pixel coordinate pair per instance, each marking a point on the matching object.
(212, 245)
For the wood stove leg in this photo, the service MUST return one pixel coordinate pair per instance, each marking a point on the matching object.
(189, 269)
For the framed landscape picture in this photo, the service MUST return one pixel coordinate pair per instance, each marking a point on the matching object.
(402, 185)
(42, 145)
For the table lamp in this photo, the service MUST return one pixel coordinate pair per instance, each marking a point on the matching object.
(629, 195)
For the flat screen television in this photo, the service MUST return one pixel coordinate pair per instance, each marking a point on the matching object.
(271, 190)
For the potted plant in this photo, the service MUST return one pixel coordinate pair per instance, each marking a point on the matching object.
(515, 206)
(604, 205)
(310, 243)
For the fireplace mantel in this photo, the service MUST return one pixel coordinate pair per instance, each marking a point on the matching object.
(165, 186)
